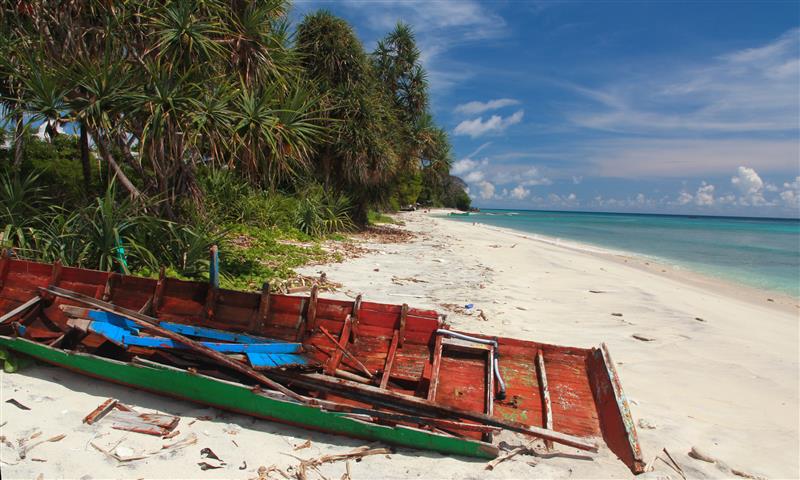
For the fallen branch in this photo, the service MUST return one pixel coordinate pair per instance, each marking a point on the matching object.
(510, 454)
(355, 454)
(25, 449)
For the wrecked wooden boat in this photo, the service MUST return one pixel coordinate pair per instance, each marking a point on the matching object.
(375, 371)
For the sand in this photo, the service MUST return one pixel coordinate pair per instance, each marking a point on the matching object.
(719, 369)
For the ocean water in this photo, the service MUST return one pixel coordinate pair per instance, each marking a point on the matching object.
(759, 252)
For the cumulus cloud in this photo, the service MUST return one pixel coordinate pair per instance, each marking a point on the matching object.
(474, 176)
(486, 190)
(520, 192)
(570, 200)
(467, 164)
(475, 108)
(750, 185)
(791, 196)
(494, 124)
(684, 198)
(705, 195)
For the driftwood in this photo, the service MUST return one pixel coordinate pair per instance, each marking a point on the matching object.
(183, 443)
(315, 463)
(24, 449)
(697, 454)
(152, 324)
(510, 454)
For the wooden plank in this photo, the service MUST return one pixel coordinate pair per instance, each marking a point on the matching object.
(437, 363)
(262, 317)
(308, 322)
(344, 351)
(402, 328)
(55, 274)
(402, 402)
(100, 411)
(354, 315)
(212, 295)
(22, 308)
(547, 409)
(5, 266)
(489, 409)
(152, 324)
(336, 358)
(158, 292)
(387, 367)
(109, 285)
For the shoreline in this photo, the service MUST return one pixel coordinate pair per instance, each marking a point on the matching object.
(660, 266)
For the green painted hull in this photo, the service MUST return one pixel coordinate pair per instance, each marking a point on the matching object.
(239, 398)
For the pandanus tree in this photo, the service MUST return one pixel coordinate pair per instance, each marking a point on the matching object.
(361, 155)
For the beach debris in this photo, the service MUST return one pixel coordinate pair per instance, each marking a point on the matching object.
(677, 467)
(616, 314)
(24, 449)
(263, 472)
(510, 454)
(643, 338)
(303, 445)
(482, 316)
(645, 424)
(522, 308)
(207, 466)
(243, 466)
(124, 454)
(699, 319)
(597, 291)
(126, 418)
(17, 404)
(698, 454)
(100, 411)
(403, 280)
(770, 300)
(208, 453)
(357, 455)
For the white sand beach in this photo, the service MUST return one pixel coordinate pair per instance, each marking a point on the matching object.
(718, 370)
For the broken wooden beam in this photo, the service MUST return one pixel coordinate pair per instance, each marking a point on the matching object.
(387, 368)
(152, 324)
(20, 309)
(547, 407)
(344, 351)
(408, 403)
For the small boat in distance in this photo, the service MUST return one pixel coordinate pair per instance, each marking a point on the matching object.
(391, 373)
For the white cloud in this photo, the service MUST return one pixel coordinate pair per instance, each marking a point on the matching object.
(791, 196)
(466, 164)
(520, 192)
(705, 195)
(556, 200)
(751, 90)
(684, 198)
(751, 187)
(577, 179)
(474, 176)
(487, 190)
(475, 108)
(494, 124)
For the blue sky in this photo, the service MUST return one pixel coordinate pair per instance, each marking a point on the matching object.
(667, 107)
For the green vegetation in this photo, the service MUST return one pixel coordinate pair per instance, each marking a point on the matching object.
(173, 125)
(375, 218)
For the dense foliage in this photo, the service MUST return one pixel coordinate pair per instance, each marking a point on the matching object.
(185, 120)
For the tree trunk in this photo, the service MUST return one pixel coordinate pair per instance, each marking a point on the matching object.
(87, 167)
(106, 154)
(19, 142)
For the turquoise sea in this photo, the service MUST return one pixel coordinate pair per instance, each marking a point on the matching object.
(760, 252)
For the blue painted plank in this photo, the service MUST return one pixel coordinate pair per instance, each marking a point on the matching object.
(261, 360)
(212, 334)
(188, 330)
(122, 337)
